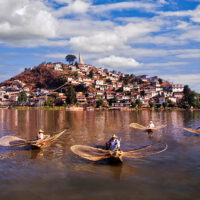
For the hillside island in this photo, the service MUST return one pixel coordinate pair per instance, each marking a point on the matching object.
(79, 86)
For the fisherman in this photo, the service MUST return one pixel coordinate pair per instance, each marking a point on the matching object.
(151, 125)
(40, 134)
(113, 144)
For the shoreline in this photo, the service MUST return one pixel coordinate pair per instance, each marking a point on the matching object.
(80, 109)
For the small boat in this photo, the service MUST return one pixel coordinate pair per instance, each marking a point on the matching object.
(145, 128)
(89, 108)
(42, 143)
(74, 109)
(196, 131)
(99, 154)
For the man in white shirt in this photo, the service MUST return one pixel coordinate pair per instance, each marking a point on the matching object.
(151, 125)
(113, 144)
(40, 134)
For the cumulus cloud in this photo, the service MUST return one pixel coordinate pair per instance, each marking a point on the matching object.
(187, 79)
(166, 64)
(56, 55)
(194, 15)
(24, 20)
(124, 5)
(110, 39)
(96, 43)
(73, 7)
(114, 61)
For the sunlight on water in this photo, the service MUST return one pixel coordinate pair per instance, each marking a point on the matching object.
(57, 173)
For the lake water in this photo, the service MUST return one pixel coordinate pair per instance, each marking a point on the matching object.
(56, 173)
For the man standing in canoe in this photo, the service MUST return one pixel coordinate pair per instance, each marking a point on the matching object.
(151, 125)
(40, 134)
(113, 144)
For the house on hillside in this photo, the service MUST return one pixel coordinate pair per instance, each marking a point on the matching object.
(58, 67)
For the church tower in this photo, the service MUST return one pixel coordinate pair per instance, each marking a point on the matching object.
(81, 62)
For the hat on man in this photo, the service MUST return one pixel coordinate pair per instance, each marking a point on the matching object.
(114, 136)
(41, 131)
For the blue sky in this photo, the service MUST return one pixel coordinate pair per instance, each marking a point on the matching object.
(153, 37)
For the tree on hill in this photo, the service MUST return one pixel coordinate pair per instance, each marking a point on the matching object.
(133, 104)
(190, 98)
(49, 101)
(138, 102)
(91, 73)
(22, 97)
(164, 104)
(71, 95)
(70, 58)
(99, 103)
(151, 104)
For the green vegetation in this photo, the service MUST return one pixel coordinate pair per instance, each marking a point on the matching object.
(138, 103)
(164, 104)
(71, 95)
(190, 98)
(99, 103)
(151, 104)
(133, 104)
(70, 58)
(91, 74)
(22, 97)
(49, 102)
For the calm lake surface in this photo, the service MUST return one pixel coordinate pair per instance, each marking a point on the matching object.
(56, 173)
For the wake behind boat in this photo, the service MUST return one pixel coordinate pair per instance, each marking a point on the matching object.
(98, 154)
(196, 131)
(145, 128)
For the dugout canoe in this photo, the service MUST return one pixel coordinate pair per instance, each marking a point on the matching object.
(196, 131)
(145, 128)
(98, 154)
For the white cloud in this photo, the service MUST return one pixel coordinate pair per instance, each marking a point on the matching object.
(112, 38)
(114, 62)
(73, 7)
(194, 15)
(166, 64)
(97, 43)
(56, 55)
(26, 19)
(124, 5)
(188, 53)
(187, 79)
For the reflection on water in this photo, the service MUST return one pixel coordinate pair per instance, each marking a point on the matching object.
(57, 173)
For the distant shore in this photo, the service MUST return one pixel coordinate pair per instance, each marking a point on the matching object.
(92, 108)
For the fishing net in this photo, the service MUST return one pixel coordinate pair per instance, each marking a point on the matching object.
(10, 140)
(192, 130)
(46, 141)
(146, 151)
(90, 153)
(140, 127)
(137, 126)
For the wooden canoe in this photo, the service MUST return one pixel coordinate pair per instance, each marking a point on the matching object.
(145, 128)
(42, 143)
(196, 131)
(98, 154)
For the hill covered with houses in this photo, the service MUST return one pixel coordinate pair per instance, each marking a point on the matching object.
(88, 86)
